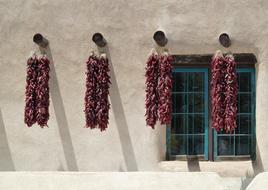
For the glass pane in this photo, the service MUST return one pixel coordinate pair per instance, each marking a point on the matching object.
(242, 145)
(179, 103)
(196, 82)
(244, 82)
(178, 145)
(196, 103)
(179, 82)
(188, 100)
(243, 124)
(179, 124)
(196, 144)
(245, 103)
(196, 123)
(225, 145)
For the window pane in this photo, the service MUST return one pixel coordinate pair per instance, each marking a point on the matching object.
(179, 124)
(195, 144)
(179, 103)
(244, 82)
(188, 118)
(242, 144)
(196, 82)
(243, 124)
(245, 103)
(225, 145)
(196, 103)
(179, 82)
(196, 123)
(178, 145)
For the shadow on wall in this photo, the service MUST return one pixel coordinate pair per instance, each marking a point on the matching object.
(120, 118)
(257, 164)
(193, 164)
(6, 162)
(63, 126)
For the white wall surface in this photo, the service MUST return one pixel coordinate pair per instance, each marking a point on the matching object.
(192, 26)
(260, 182)
(110, 181)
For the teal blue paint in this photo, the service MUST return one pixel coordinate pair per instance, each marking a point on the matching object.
(205, 93)
(168, 141)
(253, 119)
(206, 114)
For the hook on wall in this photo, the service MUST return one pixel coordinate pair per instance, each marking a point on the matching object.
(225, 40)
(160, 38)
(99, 40)
(40, 40)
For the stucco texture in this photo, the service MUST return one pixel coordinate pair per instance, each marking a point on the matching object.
(192, 26)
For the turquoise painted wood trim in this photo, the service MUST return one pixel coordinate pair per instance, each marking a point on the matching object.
(168, 132)
(253, 119)
(206, 114)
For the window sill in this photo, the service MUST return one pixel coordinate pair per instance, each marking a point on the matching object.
(186, 157)
(223, 168)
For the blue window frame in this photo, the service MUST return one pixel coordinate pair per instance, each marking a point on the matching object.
(188, 134)
(242, 141)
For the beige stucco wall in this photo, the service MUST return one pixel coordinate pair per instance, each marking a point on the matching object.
(192, 26)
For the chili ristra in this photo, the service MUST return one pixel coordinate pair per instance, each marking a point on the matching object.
(104, 82)
(165, 84)
(91, 98)
(231, 90)
(42, 91)
(151, 102)
(224, 89)
(30, 92)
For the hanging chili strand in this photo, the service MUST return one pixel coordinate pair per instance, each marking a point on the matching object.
(91, 92)
(30, 93)
(103, 80)
(231, 91)
(42, 91)
(151, 103)
(218, 70)
(165, 88)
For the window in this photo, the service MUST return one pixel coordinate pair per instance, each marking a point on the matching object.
(190, 133)
(241, 142)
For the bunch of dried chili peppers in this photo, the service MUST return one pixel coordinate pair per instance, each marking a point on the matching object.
(37, 91)
(159, 82)
(97, 90)
(224, 89)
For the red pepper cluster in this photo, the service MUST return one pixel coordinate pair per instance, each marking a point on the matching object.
(231, 91)
(224, 92)
(97, 90)
(37, 91)
(152, 72)
(30, 93)
(42, 92)
(158, 89)
(165, 84)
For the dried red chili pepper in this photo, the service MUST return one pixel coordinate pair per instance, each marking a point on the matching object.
(103, 80)
(231, 91)
(30, 93)
(42, 91)
(151, 102)
(165, 84)
(218, 70)
(91, 97)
